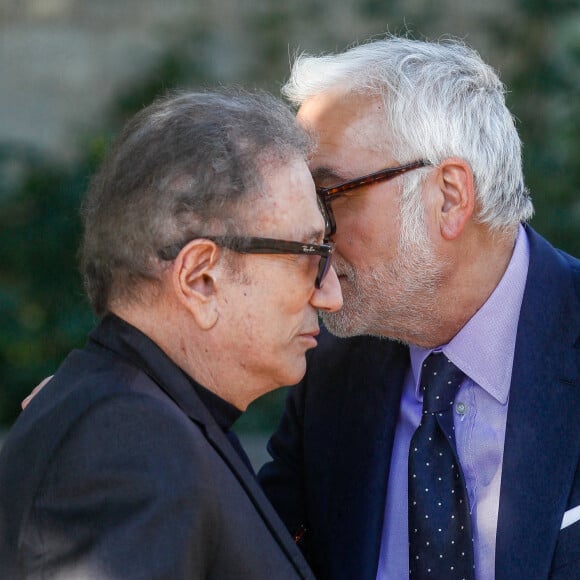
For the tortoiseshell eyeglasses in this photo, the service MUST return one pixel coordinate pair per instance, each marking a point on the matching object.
(326, 195)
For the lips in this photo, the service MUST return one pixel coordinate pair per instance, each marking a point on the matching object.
(310, 337)
(313, 333)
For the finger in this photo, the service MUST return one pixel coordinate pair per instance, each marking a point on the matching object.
(34, 392)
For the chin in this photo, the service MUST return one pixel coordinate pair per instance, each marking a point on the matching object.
(297, 373)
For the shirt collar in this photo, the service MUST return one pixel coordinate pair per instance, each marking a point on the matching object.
(484, 348)
(224, 413)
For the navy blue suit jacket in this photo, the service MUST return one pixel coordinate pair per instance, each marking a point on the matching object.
(117, 470)
(332, 450)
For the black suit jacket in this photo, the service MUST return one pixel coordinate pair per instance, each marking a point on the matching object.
(116, 470)
(332, 450)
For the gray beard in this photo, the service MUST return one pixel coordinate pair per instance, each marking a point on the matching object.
(398, 302)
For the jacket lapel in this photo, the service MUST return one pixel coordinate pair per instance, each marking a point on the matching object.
(249, 483)
(543, 431)
(362, 457)
(187, 399)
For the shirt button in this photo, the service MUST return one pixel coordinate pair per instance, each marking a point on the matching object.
(460, 408)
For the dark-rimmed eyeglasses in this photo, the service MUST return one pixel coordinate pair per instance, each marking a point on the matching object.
(253, 245)
(326, 195)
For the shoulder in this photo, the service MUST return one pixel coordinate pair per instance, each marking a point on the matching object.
(83, 421)
(135, 437)
(122, 453)
(543, 253)
(553, 276)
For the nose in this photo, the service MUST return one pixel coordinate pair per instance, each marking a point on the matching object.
(329, 297)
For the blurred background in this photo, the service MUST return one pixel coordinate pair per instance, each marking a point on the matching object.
(72, 71)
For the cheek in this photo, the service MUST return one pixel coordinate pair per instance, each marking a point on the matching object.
(359, 245)
(291, 287)
(274, 315)
(370, 236)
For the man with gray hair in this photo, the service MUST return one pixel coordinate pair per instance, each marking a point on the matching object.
(450, 450)
(204, 255)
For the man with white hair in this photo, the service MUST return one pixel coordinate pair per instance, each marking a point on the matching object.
(451, 449)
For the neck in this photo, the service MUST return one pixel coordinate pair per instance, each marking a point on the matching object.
(189, 347)
(475, 267)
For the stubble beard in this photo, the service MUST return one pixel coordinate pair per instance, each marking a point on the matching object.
(397, 300)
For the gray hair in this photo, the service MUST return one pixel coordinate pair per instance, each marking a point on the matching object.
(441, 100)
(181, 167)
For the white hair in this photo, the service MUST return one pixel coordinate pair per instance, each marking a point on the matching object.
(441, 100)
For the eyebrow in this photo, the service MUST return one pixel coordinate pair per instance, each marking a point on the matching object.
(328, 173)
(313, 236)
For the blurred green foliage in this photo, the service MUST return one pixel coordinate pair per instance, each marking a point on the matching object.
(545, 97)
(42, 310)
(43, 313)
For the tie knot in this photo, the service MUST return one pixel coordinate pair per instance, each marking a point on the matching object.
(440, 379)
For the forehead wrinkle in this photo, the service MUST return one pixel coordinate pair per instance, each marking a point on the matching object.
(266, 218)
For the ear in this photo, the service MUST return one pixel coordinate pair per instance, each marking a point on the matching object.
(455, 181)
(195, 281)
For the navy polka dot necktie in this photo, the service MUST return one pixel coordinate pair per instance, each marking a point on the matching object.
(440, 539)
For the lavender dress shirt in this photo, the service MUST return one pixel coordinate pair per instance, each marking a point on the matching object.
(484, 351)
